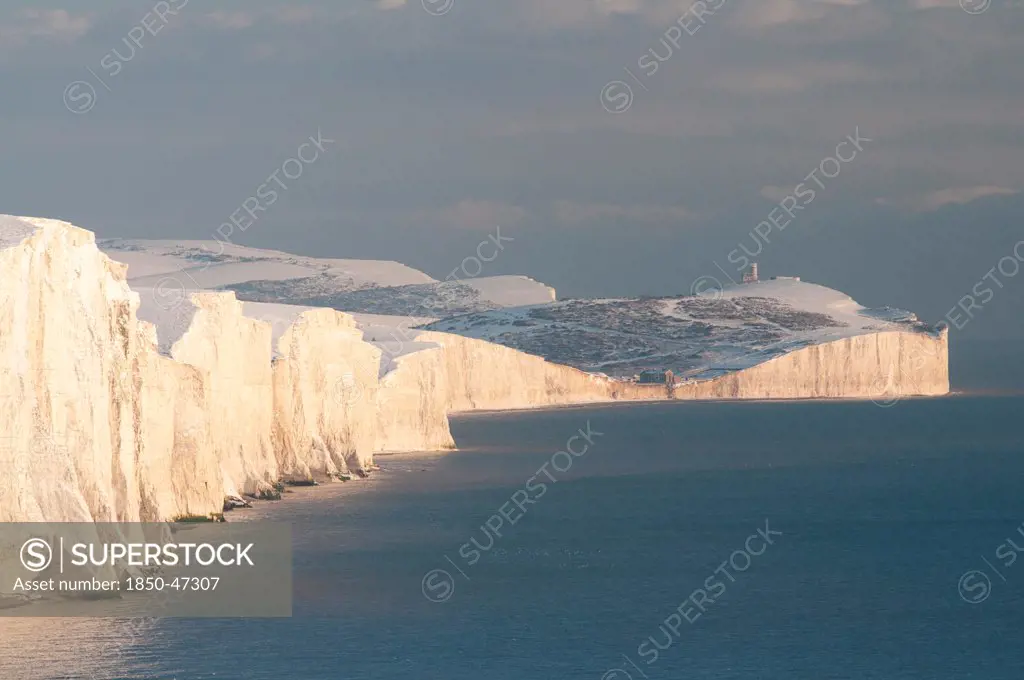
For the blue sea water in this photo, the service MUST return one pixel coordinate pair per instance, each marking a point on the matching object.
(880, 512)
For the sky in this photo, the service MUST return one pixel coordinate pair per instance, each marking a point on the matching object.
(626, 147)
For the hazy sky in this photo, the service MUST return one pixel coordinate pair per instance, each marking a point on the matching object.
(452, 116)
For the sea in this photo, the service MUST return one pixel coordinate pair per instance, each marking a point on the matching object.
(718, 541)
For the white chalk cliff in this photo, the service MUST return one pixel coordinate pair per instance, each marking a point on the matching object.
(68, 341)
(325, 394)
(148, 404)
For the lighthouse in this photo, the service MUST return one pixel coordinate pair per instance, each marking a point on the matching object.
(751, 276)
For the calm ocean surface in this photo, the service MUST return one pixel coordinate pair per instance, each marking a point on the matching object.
(881, 511)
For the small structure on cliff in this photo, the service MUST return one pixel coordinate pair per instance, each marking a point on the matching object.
(654, 377)
(751, 276)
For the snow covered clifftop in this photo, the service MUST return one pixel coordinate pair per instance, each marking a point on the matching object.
(207, 265)
(693, 336)
(366, 286)
(125, 402)
(506, 342)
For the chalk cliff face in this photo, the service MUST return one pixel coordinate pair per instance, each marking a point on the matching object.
(473, 366)
(179, 471)
(67, 344)
(881, 366)
(123, 406)
(453, 373)
(872, 366)
(234, 353)
(325, 396)
(106, 417)
(461, 375)
(413, 403)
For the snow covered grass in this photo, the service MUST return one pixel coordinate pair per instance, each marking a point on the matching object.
(215, 264)
(389, 299)
(14, 230)
(512, 291)
(738, 327)
(734, 328)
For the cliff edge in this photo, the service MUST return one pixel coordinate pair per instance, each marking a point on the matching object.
(149, 404)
